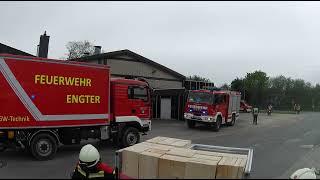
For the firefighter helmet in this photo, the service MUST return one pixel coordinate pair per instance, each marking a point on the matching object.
(89, 155)
(304, 173)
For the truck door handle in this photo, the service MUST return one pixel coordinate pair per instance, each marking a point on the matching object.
(133, 111)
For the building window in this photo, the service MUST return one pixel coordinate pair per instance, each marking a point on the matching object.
(135, 92)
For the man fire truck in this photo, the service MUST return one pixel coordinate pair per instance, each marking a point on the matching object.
(46, 102)
(212, 107)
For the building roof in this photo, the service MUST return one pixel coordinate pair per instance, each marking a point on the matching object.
(10, 50)
(134, 55)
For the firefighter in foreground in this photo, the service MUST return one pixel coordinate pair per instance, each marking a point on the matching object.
(304, 173)
(90, 165)
(255, 113)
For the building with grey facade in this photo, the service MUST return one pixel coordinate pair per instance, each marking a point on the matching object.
(168, 85)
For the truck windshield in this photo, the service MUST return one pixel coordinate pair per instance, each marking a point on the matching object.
(200, 97)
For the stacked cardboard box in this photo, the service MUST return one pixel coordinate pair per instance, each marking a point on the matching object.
(170, 141)
(169, 158)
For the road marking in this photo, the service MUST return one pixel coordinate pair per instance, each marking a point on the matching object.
(307, 146)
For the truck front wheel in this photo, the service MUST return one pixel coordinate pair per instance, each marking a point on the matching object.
(130, 137)
(191, 124)
(217, 124)
(233, 120)
(43, 146)
(3, 147)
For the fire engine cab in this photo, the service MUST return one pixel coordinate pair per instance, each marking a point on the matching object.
(212, 107)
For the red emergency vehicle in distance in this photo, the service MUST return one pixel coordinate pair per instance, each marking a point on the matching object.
(212, 107)
(245, 107)
(47, 102)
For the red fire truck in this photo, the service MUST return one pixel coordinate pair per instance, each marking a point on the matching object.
(212, 107)
(47, 102)
(245, 107)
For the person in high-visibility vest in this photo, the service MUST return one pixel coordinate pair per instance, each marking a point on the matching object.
(255, 113)
(298, 109)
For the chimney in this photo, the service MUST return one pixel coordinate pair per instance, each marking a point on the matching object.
(43, 46)
(97, 49)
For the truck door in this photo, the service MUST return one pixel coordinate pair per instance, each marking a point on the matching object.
(139, 101)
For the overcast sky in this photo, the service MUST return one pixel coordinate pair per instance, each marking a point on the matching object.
(217, 40)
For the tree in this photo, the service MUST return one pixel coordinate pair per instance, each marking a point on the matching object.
(256, 85)
(78, 49)
(225, 86)
(198, 78)
(280, 91)
(238, 85)
(277, 90)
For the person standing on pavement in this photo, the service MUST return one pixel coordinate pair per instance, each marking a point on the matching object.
(255, 113)
(298, 109)
(269, 109)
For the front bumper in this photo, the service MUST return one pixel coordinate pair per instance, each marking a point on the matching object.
(146, 125)
(192, 117)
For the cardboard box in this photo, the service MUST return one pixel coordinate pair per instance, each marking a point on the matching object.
(206, 157)
(157, 151)
(226, 168)
(130, 160)
(181, 143)
(157, 146)
(208, 153)
(146, 144)
(232, 155)
(200, 169)
(162, 147)
(241, 167)
(181, 152)
(156, 139)
(233, 168)
(168, 141)
(221, 154)
(172, 167)
(148, 163)
(222, 169)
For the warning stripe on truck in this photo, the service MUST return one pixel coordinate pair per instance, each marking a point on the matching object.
(34, 111)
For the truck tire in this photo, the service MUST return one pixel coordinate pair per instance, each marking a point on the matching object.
(43, 146)
(3, 147)
(233, 120)
(130, 137)
(217, 124)
(191, 124)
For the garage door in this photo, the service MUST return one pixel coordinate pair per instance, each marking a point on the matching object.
(165, 108)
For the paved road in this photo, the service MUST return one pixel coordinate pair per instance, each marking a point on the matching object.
(282, 143)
